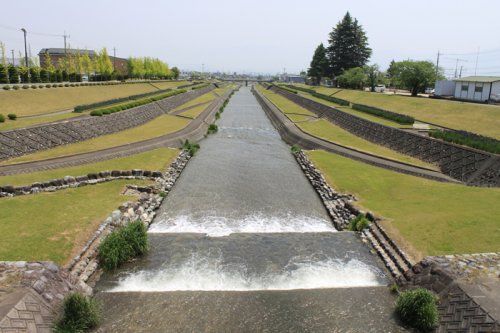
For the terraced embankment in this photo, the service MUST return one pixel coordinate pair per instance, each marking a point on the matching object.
(468, 165)
(194, 130)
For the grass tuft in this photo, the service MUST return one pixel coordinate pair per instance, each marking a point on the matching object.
(79, 314)
(417, 308)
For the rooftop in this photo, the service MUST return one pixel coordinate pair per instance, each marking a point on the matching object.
(55, 50)
(484, 79)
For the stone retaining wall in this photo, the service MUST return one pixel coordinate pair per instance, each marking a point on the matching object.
(465, 164)
(78, 181)
(29, 140)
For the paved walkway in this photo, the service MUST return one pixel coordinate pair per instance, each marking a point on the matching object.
(294, 135)
(195, 130)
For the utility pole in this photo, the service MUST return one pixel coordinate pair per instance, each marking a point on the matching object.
(456, 66)
(25, 47)
(13, 60)
(65, 36)
(437, 65)
(477, 59)
(114, 58)
(461, 68)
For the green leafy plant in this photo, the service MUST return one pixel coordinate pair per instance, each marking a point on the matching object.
(2, 118)
(6, 87)
(191, 148)
(399, 118)
(417, 308)
(122, 245)
(359, 223)
(12, 116)
(212, 128)
(97, 113)
(217, 115)
(468, 139)
(79, 313)
(296, 149)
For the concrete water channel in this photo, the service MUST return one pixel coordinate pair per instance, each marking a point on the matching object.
(243, 244)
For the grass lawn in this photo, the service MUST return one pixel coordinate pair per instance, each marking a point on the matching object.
(157, 159)
(160, 126)
(434, 218)
(195, 112)
(328, 131)
(26, 102)
(54, 226)
(478, 118)
(25, 122)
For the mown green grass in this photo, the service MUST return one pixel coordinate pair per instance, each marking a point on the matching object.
(159, 126)
(194, 112)
(205, 98)
(25, 122)
(54, 226)
(477, 118)
(328, 131)
(157, 159)
(435, 218)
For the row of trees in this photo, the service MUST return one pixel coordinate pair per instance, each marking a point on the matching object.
(74, 65)
(346, 57)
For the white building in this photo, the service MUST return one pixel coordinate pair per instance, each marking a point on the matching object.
(478, 88)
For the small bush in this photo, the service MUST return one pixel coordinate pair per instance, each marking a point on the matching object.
(417, 308)
(396, 117)
(191, 148)
(79, 313)
(34, 86)
(25, 86)
(6, 87)
(12, 116)
(97, 113)
(15, 87)
(163, 194)
(48, 85)
(122, 245)
(212, 128)
(54, 85)
(217, 115)
(359, 223)
(295, 149)
(2, 118)
(468, 139)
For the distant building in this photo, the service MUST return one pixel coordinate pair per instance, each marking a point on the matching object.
(55, 54)
(478, 88)
(290, 78)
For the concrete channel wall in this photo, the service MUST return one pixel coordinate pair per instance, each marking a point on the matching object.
(467, 165)
(29, 140)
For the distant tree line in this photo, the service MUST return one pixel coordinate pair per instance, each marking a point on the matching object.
(73, 66)
(346, 57)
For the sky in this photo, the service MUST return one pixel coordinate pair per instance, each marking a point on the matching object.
(260, 36)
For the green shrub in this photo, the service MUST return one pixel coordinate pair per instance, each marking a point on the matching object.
(359, 223)
(212, 128)
(417, 308)
(34, 86)
(332, 99)
(122, 245)
(399, 118)
(217, 115)
(25, 86)
(6, 87)
(12, 116)
(40, 86)
(468, 139)
(97, 113)
(191, 148)
(15, 87)
(79, 313)
(106, 111)
(310, 91)
(2, 118)
(48, 85)
(296, 149)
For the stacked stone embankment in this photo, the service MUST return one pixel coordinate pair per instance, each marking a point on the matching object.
(29, 140)
(465, 164)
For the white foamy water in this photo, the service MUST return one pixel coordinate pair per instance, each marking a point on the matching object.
(203, 274)
(216, 226)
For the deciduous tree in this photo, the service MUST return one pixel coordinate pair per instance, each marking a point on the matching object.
(415, 75)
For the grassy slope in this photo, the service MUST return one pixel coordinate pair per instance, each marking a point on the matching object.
(477, 118)
(156, 159)
(435, 218)
(25, 122)
(38, 101)
(194, 112)
(326, 130)
(160, 126)
(205, 98)
(59, 232)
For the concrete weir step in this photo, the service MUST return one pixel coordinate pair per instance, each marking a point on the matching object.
(370, 309)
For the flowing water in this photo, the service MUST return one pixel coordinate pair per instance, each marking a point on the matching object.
(243, 244)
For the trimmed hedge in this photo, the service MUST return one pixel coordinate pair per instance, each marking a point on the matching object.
(188, 85)
(332, 99)
(418, 309)
(118, 108)
(83, 107)
(123, 244)
(468, 139)
(2, 118)
(200, 86)
(12, 116)
(397, 117)
(310, 91)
